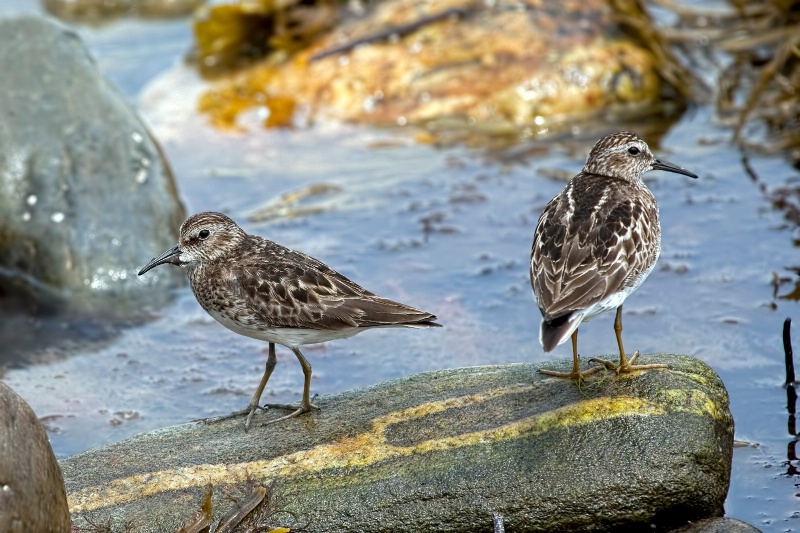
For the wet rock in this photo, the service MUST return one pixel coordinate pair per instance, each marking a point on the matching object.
(32, 495)
(87, 10)
(718, 525)
(97, 11)
(86, 195)
(161, 9)
(504, 65)
(441, 451)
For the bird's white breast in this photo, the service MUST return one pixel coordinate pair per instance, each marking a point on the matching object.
(291, 337)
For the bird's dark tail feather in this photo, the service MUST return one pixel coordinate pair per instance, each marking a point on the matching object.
(555, 331)
(428, 323)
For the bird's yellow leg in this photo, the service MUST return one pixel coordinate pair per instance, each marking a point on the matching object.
(623, 361)
(624, 365)
(576, 373)
(305, 403)
(253, 406)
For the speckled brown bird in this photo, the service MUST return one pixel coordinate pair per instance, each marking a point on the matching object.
(595, 243)
(266, 291)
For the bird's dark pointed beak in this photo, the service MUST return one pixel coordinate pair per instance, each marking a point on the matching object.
(660, 164)
(170, 256)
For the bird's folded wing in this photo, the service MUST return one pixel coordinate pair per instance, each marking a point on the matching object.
(298, 291)
(575, 267)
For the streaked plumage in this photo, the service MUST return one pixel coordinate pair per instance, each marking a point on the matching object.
(596, 242)
(266, 291)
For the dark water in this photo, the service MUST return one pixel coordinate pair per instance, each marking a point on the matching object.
(447, 230)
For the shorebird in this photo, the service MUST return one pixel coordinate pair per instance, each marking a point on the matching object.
(263, 290)
(595, 243)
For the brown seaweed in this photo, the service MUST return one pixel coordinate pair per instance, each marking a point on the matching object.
(758, 88)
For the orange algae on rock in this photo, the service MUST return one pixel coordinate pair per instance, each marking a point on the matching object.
(225, 102)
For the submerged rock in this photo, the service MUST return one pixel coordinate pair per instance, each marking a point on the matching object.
(718, 525)
(86, 196)
(32, 495)
(440, 451)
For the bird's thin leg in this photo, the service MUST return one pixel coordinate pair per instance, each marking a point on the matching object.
(251, 408)
(576, 373)
(272, 360)
(624, 365)
(305, 403)
(623, 361)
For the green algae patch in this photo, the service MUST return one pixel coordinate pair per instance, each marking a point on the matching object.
(692, 401)
(444, 448)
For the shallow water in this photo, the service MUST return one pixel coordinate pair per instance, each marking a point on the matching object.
(444, 229)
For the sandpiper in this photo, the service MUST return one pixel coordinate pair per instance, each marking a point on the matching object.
(266, 291)
(595, 243)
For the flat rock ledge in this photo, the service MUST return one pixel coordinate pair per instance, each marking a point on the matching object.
(450, 450)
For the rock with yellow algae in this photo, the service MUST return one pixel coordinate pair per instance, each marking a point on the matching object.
(443, 451)
(100, 11)
(532, 64)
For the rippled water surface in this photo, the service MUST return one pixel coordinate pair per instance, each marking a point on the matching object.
(447, 230)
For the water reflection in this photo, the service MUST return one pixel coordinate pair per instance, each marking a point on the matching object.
(784, 197)
(46, 327)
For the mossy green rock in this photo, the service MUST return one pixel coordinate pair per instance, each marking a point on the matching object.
(443, 451)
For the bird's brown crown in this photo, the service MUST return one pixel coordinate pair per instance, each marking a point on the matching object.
(209, 236)
(621, 155)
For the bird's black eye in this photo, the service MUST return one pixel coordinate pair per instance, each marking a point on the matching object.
(204, 233)
(633, 150)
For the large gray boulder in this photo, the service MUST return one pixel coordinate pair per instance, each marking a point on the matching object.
(86, 196)
(32, 495)
(441, 451)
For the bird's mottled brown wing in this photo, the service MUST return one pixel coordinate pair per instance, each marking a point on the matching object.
(595, 238)
(286, 288)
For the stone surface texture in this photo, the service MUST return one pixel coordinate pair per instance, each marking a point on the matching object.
(32, 495)
(443, 451)
(86, 196)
